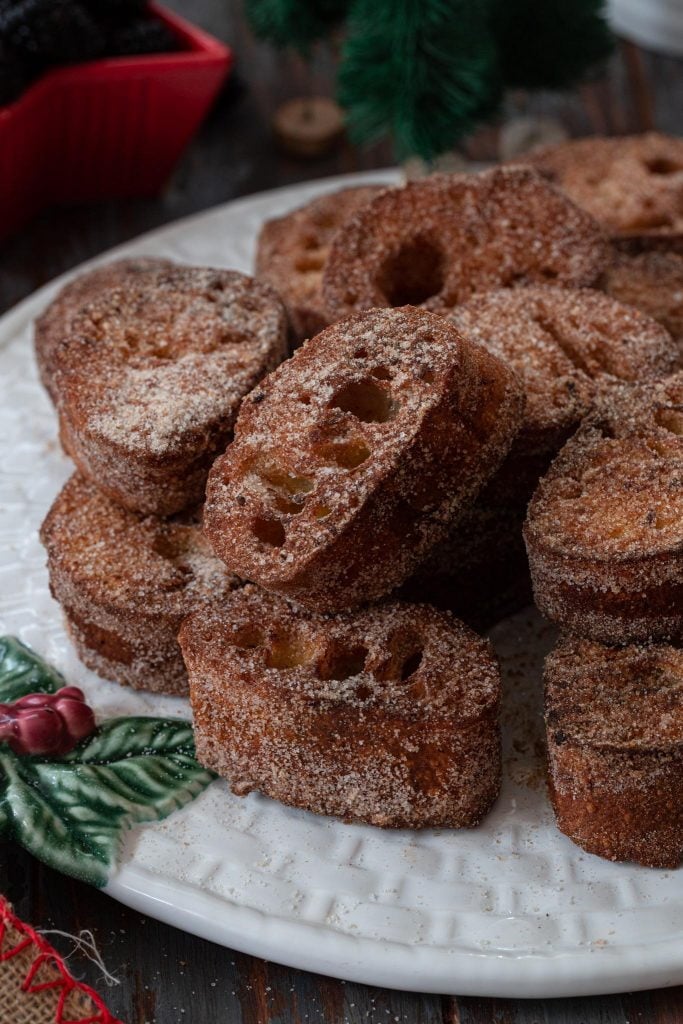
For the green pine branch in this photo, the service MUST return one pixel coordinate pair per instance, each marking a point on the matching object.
(423, 71)
(295, 23)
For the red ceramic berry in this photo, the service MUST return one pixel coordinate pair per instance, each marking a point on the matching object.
(38, 730)
(76, 714)
(45, 724)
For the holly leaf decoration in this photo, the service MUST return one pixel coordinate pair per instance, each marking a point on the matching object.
(71, 811)
(23, 672)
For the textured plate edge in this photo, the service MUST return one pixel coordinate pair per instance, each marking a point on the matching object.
(410, 968)
(307, 946)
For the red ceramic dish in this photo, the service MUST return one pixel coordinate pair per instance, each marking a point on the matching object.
(108, 128)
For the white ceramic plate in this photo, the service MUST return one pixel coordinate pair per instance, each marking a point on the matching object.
(511, 908)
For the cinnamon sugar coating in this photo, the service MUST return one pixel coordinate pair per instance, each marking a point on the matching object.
(150, 381)
(125, 582)
(604, 530)
(653, 283)
(351, 460)
(568, 346)
(387, 716)
(439, 240)
(53, 326)
(614, 720)
(632, 184)
(292, 250)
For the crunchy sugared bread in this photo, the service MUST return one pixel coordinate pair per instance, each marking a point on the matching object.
(604, 531)
(568, 346)
(125, 583)
(351, 460)
(292, 250)
(614, 720)
(149, 383)
(632, 184)
(438, 240)
(653, 283)
(387, 716)
(53, 326)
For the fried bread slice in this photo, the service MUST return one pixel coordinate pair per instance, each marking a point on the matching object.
(149, 384)
(614, 720)
(387, 716)
(292, 250)
(439, 240)
(604, 530)
(53, 326)
(125, 582)
(350, 461)
(632, 184)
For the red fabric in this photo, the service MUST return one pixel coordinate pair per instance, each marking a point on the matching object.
(44, 953)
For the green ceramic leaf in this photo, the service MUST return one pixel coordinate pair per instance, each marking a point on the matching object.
(23, 672)
(71, 811)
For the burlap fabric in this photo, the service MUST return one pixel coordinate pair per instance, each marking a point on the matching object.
(35, 986)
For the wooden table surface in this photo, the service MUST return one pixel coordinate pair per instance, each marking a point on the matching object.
(166, 976)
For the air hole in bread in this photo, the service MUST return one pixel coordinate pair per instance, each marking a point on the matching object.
(362, 692)
(269, 531)
(365, 400)
(343, 663)
(288, 491)
(321, 511)
(312, 262)
(360, 353)
(662, 165)
(247, 638)
(346, 454)
(411, 665)
(405, 653)
(381, 373)
(671, 419)
(289, 652)
(413, 274)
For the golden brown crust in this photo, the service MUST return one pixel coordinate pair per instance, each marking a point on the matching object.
(125, 582)
(150, 381)
(568, 347)
(53, 326)
(653, 283)
(614, 720)
(351, 460)
(387, 716)
(632, 184)
(604, 530)
(292, 250)
(439, 240)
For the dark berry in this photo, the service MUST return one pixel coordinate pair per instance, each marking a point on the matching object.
(144, 35)
(116, 10)
(15, 75)
(51, 31)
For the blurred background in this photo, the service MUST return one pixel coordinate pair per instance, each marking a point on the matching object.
(552, 70)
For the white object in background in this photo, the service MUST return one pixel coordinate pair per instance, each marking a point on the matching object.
(653, 24)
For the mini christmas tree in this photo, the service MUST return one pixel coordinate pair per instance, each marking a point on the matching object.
(427, 72)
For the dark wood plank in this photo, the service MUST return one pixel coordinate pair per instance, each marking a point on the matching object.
(168, 977)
